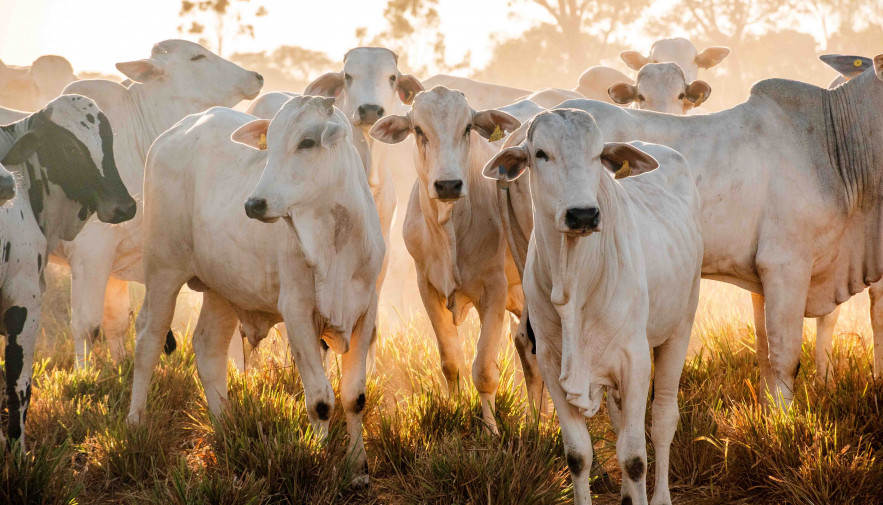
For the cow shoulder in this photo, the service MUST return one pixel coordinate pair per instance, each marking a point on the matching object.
(787, 94)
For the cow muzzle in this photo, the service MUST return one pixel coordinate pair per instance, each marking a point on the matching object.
(582, 221)
(117, 212)
(369, 114)
(448, 190)
(257, 208)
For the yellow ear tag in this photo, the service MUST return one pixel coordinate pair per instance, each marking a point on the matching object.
(497, 135)
(262, 143)
(623, 172)
(857, 63)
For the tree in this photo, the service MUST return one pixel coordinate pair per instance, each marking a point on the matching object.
(286, 68)
(229, 18)
(412, 31)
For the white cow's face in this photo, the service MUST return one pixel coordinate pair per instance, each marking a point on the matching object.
(680, 51)
(191, 73)
(568, 159)
(369, 87)
(444, 126)
(661, 87)
(308, 146)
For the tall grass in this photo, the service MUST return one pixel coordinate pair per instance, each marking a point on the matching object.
(426, 448)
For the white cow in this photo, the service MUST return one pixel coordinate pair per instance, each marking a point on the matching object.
(595, 82)
(316, 268)
(30, 88)
(613, 270)
(179, 78)
(9, 116)
(453, 231)
(661, 87)
(64, 160)
(790, 209)
(483, 95)
(550, 97)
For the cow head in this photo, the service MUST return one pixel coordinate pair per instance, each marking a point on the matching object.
(661, 87)
(307, 143)
(444, 126)
(369, 86)
(677, 50)
(73, 144)
(568, 160)
(193, 75)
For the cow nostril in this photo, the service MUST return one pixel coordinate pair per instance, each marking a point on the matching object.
(582, 218)
(259, 77)
(380, 113)
(256, 207)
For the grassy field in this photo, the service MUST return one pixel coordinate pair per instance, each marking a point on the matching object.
(424, 448)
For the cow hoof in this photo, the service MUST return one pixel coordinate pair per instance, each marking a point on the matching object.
(360, 482)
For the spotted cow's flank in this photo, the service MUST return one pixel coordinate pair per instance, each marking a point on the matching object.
(64, 168)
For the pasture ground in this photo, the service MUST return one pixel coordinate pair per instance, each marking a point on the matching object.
(426, 449)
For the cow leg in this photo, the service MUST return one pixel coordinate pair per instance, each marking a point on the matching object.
(577, 441)
(153, 323)
(668, 365)
(306, 350)
(631, 441)
(785, 288)
(525, 345)
(211, 340)
(21, 321)
(90, 274)
(761, 343)
(116, 317)
(875, 293)
(824, 342)
(485, 367)
(449, 349)
(352, 391)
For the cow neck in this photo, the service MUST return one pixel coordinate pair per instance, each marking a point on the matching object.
(593, 279)
(57, 216)
(332, 233)
(850, 143)
(439, 219)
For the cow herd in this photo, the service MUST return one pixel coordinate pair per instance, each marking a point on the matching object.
(582, 226)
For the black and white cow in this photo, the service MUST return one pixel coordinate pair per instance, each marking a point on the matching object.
(63, 158)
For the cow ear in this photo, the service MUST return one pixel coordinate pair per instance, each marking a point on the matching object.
(330, 84)
(252, 134)
(878, 66)
(508, 164)
(634, 59)
(623, 93)
(391, 129)
(22, 150)
(333, 132)
(407, 86)
(697, 92)
(140, 70)
(846, 65)
(624, 160)
(711, 56)
(492, 124)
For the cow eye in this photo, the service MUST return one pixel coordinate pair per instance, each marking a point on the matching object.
(392, 78)
(306, 144)
(418, 131)
(542, 155)
(348, 78)
(681, 96)
(640, 98)
(468, 130)
(197, 57)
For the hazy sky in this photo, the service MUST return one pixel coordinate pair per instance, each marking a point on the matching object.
(94, 34)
